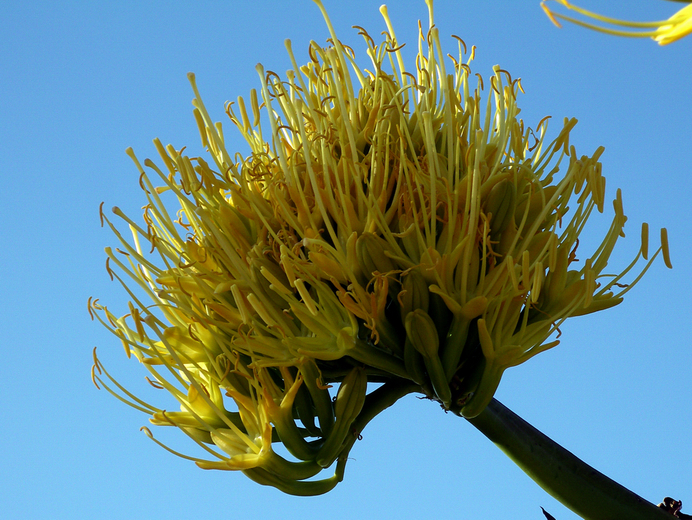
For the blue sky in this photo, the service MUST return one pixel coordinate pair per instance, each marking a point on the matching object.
(81, 81)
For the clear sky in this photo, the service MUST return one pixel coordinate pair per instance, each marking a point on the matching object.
(81, 81)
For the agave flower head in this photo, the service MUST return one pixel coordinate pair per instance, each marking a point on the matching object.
(388, 225)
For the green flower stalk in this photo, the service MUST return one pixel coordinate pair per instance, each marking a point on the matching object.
(389, 225)
(664, 32)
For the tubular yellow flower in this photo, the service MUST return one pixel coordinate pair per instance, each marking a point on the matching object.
(664, 32)
(389, 226)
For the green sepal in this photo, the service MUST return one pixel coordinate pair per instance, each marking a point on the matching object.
(293, 487)
(489, 381)
(414, 364)
(454, 345)
(375, 357)
(292, 437)
(349, 402)
(422, 333)
(291, 470)
(304, 410)
(319, 392)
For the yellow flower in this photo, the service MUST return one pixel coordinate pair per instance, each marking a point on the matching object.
(664, 32)
(387, 226)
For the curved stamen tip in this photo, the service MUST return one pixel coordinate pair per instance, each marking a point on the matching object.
(645, 240)
(550, 15)
(664, 248)
(93, 376)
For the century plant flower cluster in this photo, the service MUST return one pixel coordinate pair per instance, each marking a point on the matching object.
(390, 225)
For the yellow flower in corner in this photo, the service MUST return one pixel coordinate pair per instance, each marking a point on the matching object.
(664, 32)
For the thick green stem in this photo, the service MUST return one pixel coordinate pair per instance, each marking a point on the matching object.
(578, 486)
